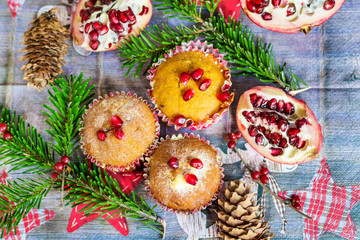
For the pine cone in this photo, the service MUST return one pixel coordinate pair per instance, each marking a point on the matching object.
(239, 214)
(45, 50)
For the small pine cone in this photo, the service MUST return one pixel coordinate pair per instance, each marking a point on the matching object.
(239, 214)
(45, 50)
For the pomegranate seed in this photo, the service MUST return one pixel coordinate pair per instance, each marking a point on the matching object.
(113, 18)
(244, 113)
(205, 84)
(130, 30)
(65, 160)
(267, 134)
(258, 2)
(59, 166)
(272, 105)
(3, 127)
(264, 104)
(297, 205)
(85, 16)
(259, 139)
(109, 45)
(265, 3)
(223, 96)
(184, 78)
(197, 74)
(179, 120)
(283, 143)
(89, 4)
(119, 134)
(87, 27)
(144, 11)
(293, 132)
(96, 9)
(252, 131)
(103, 30)
(282, 125)
(280, 106)
(54, 175)
(238, 135)
(261, 129)
(253, 98)
(276, 136)
(130, 15)
(257, 114)
(96, 25)
(258, 102)
(300, 122)
(264, 179)
(82, 11)
(118, 28)
(293, 140)
(259, 10)
(173, 163)
(276, 151)
(8, 136)
(122, 17)
(276, 2)
(191, 179)
(291, 10)
(196, 163)
(273, 118)
(250, 6)
(232, 136)
(255, 175)
(93, 35)
(264, 171)
(189, 94)
(94, 44)
(116, 121)
(101, 135)
(300, 144)
(231, 144)
(329, 4)
(289, 108)
(264, 115)
(266, 16)
(295, 198)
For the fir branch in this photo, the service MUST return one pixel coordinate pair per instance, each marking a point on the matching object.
(27, 149)
(19, 197)
(69, 96)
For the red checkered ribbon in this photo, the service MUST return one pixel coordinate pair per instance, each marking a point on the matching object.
(328, 204)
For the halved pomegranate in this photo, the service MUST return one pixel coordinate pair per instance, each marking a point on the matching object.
(103, 25)
(278, 126)
(290, 16)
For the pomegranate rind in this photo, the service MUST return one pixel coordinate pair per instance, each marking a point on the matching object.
(147, 174)
(206, 48)
(141, 23)
(316, 136)
(303, 23)
(138, 161)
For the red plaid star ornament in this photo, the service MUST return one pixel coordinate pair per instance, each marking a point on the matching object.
(328, 204)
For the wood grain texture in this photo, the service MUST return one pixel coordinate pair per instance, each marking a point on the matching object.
(327, 59)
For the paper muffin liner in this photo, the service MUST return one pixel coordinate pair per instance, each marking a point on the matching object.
(135, 163)
(147, 174)
(205, 48)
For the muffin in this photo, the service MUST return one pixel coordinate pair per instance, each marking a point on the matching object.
(118, 130)
(190, 86)
(184, 174)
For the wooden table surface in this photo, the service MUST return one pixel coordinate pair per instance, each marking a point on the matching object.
(328, 59)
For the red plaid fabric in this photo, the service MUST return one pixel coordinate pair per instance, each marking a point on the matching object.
(328, 204)
(14, 6)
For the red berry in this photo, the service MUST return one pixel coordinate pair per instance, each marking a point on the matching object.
(255, 175)
(94, 44)
(189, 94)
(295, 198)
(191, 179)
(8, 136)
(59, 166)
(93, 35)
(197, 74)
(173, 163)
(65, 160)
(264, 171)
(96, 25)
(103, 30)
(238, 135)
(196, 163)
(184, 78)
(87, 27)
(205, 84)
(231, 144)
(232, 136)
(296, 205)
(179, 120)
(119, 134)
(264, 179)
(223, 96)
(101, 135)
(3, 127)
(116, 121)
(54, 175)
